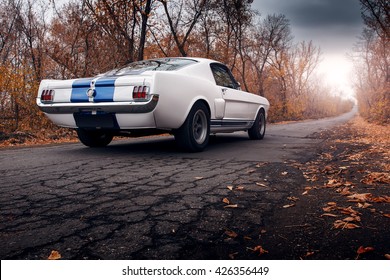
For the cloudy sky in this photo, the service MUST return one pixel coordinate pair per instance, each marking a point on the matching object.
(332, 25)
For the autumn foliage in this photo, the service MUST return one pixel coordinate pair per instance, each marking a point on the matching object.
(85, 38)
(372, 62)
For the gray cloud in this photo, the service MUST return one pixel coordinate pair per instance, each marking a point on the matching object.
(322, 13)
(314, 13)
(333, 24)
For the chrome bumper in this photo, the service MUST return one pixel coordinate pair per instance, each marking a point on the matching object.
(107, 107)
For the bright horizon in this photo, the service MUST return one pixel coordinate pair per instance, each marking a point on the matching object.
(332, 25)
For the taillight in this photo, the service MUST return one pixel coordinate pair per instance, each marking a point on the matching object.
(47, 96)
(140, 92)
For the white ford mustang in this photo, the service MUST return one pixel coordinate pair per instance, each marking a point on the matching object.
(188, 97)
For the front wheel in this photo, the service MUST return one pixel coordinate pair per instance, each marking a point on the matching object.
(193, 135)
(257, 131)
(94, 138)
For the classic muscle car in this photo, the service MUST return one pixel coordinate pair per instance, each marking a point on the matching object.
(190, 98)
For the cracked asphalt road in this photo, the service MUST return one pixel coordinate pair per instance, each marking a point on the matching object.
(142, 199)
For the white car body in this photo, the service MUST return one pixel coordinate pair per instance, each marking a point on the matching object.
(106, 103)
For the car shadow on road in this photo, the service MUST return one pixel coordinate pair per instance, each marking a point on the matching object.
(164, 145)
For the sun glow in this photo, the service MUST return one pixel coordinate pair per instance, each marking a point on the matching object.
(337, 72)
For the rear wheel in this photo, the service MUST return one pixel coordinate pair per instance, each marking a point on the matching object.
(257, 131)
(194, 134)
(94, 138)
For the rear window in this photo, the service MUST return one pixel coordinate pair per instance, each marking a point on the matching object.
(162, 64)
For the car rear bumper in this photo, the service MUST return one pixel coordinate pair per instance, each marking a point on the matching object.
(107, 107)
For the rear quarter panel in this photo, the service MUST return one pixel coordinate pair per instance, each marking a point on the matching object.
(178, 93)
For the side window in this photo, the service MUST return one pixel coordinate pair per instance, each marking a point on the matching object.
(223, 77)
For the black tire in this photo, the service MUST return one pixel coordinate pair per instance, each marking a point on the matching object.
(94, 138)
(194, 134)
(257, 131)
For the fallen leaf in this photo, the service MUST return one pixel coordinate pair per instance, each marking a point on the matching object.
(345, 191)
(351, 226)
(308, 254)
(348, 211)
(54, 255)
(332, 206)
(386, 215)
(352, 219)
(284, 173)
(199, 178)
(231, 206)
(387, 256)
(328, 169)
(359, 197)
(292, 198)
(331, 182)
(231, 233)
(305, 192)
(329, 215)
(288, 205)
(381, 199)
(363, 250)
(261, 185)
(259, 249)
(364, 205)
(230, 187)
(344, 225)
(328, 209)
(240, 188)
(225, 200)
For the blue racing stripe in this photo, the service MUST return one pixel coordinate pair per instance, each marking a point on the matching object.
(105, 90)
(79, 90)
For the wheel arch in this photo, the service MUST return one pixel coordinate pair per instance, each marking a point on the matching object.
(201, 100)
(192, 104)
(261, 107)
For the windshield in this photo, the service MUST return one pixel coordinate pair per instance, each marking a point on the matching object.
(163, 64)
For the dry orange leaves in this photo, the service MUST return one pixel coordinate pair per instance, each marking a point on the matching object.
(339, 224)
(376, 178)
(346, 223)
(363, 250)
(238, 188)
(54, 255)
(258, 249)
(226, 200)
(229, 205)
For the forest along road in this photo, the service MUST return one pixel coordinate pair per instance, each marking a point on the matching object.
(143, 199)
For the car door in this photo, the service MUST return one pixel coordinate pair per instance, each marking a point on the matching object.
(238, 104)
